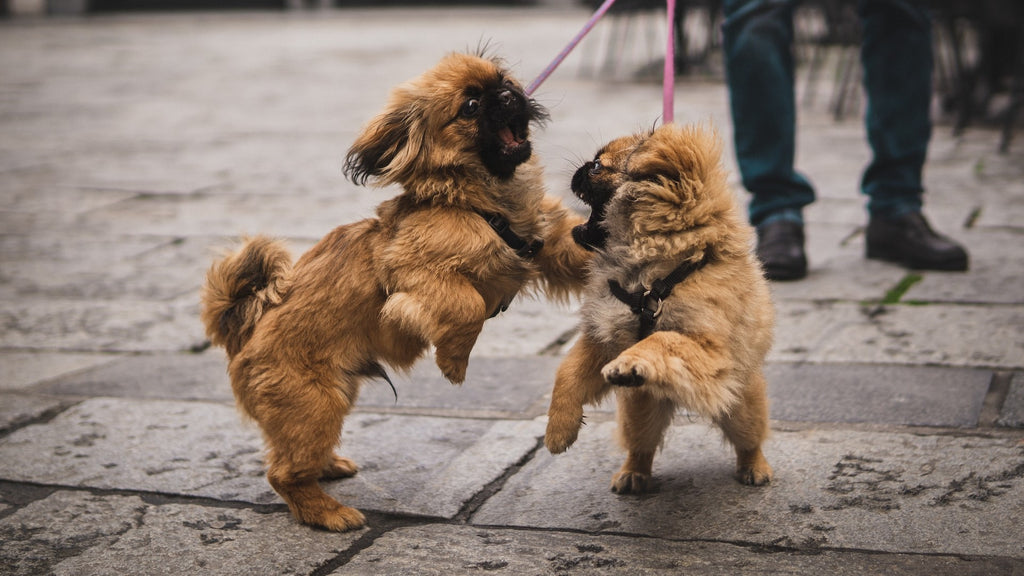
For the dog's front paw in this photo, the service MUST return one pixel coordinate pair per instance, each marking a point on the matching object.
(628, 372)
(630, 482)
(454, 369)
(561, 433)
(755, 475)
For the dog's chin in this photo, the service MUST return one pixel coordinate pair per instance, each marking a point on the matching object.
(590, 235)
(504, 152)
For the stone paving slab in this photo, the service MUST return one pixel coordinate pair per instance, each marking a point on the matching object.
(1012, 413)
(249, 165)
(19, 409)
(101, 326)
(203, 214)
(182, 376)
(1008, 216)
(24, 369)
(47, 188)
(408, 464)
(986, 336)
(70, 247)
(75, 533)
(887, 492)
(169, 268)
(442, 550)
(933, 334)
(898, 395)
(993, 278)
(802, 326)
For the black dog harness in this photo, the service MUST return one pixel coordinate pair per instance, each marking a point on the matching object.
(646, 303)
(522, 248)
(501, 227)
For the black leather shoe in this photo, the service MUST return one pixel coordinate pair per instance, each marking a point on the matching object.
(911, 242)
(780, 247)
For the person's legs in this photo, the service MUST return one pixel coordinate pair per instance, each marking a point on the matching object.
(757, 41)
(897, 59)
(896, 55)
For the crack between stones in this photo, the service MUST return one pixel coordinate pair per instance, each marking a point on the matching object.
(495, 486)
(364, 542)
(992, 405)
(43, 418)
(40, 491)
(777, 546)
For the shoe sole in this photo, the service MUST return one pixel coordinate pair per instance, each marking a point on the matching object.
(954, 265)
(784, 274)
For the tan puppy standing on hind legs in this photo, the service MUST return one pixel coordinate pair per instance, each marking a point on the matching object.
(471, 229)
(676, 314)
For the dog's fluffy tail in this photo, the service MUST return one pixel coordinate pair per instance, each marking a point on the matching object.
(241, 287)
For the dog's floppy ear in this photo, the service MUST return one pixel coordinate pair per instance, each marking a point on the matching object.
(387, 147)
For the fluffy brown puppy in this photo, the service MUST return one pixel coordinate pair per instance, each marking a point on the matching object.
(471, 228)
(676, 314)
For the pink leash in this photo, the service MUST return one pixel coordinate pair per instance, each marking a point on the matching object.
(668, 80)
(572, 44)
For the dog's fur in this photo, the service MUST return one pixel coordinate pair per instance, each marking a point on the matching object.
(428, 270)
(667, 203)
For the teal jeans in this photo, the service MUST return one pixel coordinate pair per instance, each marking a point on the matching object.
(896, 57)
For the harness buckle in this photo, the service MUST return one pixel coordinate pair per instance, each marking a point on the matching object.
(497, 223)
(659, 303)
(531, 249)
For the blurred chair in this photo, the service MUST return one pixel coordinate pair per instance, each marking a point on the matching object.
(831, 26)
(982, 56)
(696, 36)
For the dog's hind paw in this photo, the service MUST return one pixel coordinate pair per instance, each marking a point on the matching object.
(630, 482)
(454, 369)
(338, 519)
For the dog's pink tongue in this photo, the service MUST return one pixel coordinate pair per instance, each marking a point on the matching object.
(508, 138)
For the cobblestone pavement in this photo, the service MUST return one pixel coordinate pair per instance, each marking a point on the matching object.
(133, 148)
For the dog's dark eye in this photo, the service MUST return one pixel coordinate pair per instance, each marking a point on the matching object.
(595, 168)
(470, 108)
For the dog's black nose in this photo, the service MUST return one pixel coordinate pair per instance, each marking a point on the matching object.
(506, 98)
(580, 181)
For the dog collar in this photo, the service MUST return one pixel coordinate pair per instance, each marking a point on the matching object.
(647, 303)
(501, 227)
